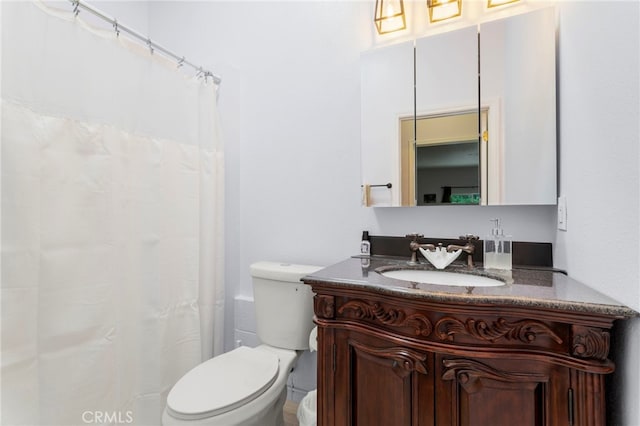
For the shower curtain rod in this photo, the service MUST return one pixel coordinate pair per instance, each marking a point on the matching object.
(78, 4)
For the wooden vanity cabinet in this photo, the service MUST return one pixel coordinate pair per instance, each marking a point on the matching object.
(392, 360)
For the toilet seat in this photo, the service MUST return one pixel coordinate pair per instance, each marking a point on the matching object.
(223, 383)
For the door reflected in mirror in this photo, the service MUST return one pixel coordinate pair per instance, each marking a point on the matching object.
(443, 165)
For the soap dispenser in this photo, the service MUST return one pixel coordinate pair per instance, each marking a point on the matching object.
(497, 248)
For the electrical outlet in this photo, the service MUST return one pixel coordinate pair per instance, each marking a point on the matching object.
(562, 213)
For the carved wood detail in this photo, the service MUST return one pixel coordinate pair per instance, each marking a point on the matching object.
(525, 331)
(467, 372)
(404, 360)
(388, 316)
(324, 306)
(590, 342)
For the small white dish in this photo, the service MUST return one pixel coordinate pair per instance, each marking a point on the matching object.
(440, 257)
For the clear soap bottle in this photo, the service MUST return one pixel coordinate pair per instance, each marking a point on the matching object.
(497, 248)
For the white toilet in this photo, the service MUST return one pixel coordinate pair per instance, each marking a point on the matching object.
(247, 386)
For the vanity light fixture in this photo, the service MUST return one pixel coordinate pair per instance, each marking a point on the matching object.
(389, 16)
(495, 3)
(439, 10)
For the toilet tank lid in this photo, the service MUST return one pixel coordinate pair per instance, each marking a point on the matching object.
(280, 271)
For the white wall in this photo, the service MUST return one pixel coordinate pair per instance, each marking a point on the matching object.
(599, 96)
(289, 103)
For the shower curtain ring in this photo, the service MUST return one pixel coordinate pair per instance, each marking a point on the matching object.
(150, 45)
(181, 62)
(115, 27)
(76, 7)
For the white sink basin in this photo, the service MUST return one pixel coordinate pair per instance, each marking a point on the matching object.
(442, 278)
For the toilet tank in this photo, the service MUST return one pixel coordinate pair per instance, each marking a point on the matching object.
(283, 304)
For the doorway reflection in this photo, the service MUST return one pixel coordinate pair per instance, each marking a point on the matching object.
(442, 164)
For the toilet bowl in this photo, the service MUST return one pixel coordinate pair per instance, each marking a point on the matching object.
(229, 393)
(247, 386)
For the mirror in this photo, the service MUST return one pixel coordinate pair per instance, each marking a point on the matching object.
(504, 149)
(386, 97)
(518, 87)
(445, 151)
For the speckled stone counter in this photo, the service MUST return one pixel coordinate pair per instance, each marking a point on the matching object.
(534, 288)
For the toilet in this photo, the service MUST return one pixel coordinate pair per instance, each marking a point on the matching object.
(247, 386)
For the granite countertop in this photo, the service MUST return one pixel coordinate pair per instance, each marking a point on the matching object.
(535, 288)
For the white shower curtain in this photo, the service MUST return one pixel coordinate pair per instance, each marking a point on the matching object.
(112, 280)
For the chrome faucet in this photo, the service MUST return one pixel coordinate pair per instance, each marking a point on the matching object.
(468, 248)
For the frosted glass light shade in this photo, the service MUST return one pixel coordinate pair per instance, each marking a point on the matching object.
(389, 16)
(439, 10)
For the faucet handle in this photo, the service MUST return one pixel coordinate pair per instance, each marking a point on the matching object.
(414, 246)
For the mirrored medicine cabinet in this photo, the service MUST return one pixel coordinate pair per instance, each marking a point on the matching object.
(466, 117)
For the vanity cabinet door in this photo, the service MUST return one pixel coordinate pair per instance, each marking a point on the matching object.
(381, 383)
(497, 392)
